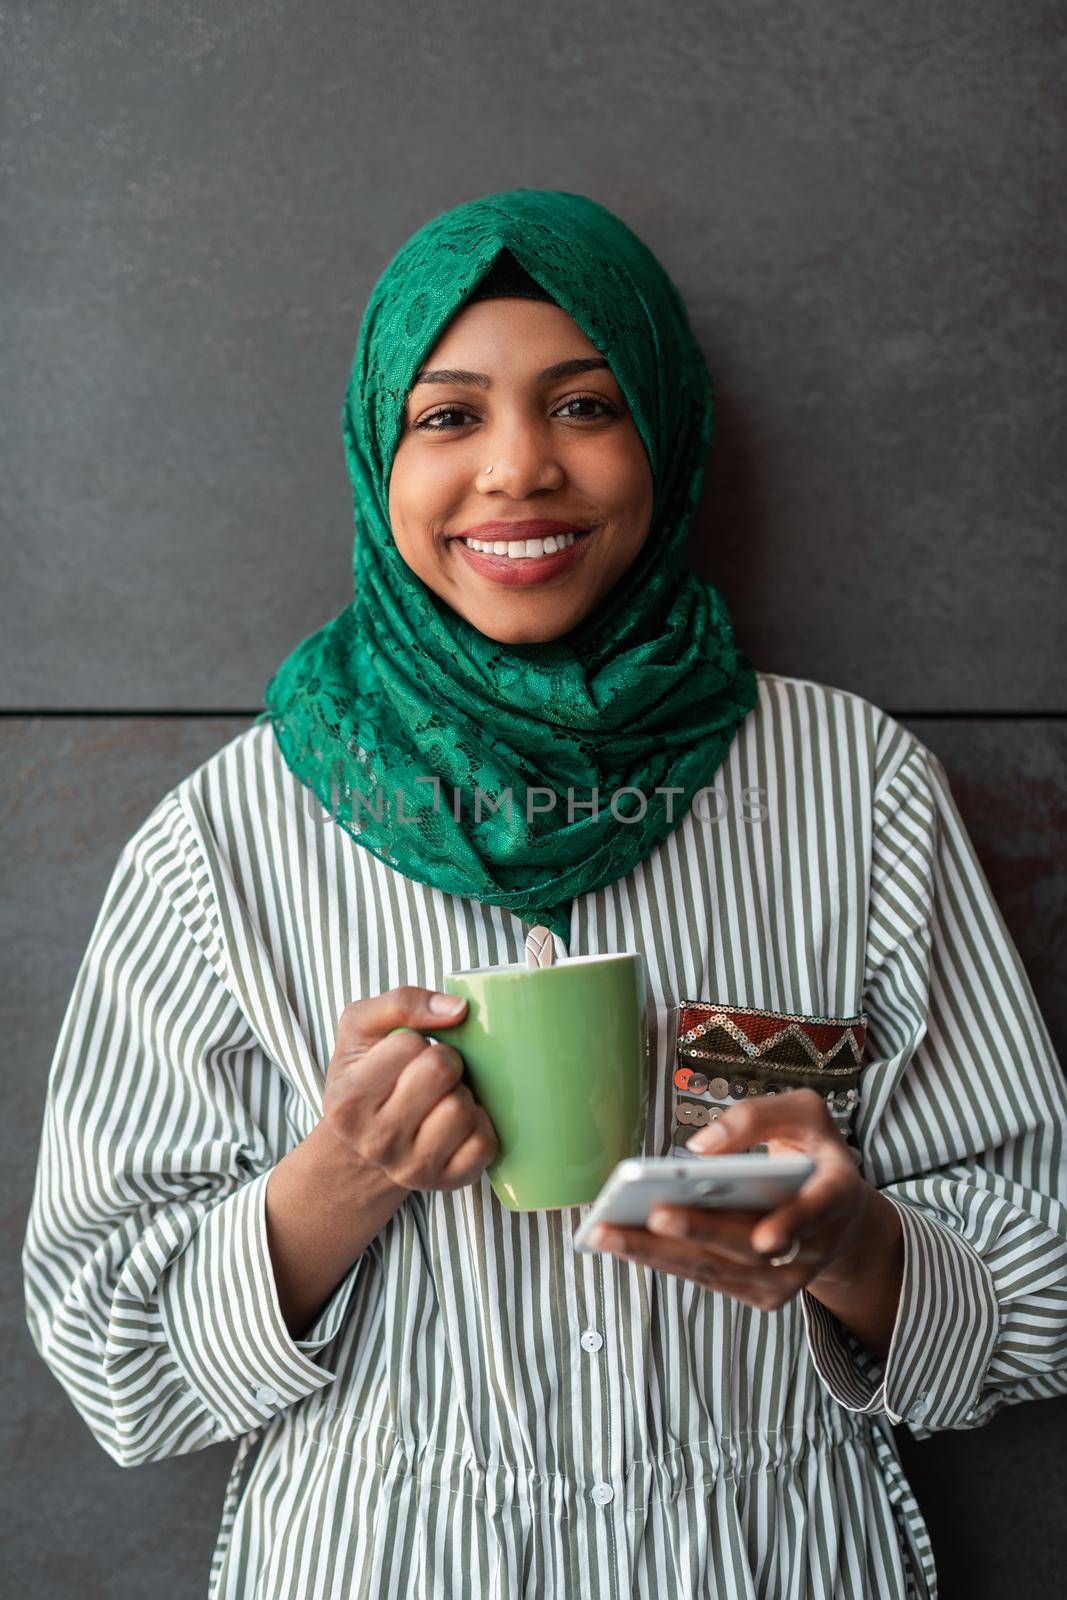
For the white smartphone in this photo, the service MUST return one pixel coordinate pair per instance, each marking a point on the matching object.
(744, 1183)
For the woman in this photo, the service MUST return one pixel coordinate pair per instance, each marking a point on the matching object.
(260, 1214)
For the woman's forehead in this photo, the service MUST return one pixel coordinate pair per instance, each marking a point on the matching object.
(509, 337)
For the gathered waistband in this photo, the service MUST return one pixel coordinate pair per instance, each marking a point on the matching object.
(696, 1466)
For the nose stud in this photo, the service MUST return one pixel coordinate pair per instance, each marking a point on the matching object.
(488, 470)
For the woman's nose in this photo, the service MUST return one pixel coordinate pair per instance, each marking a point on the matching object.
(522, 464)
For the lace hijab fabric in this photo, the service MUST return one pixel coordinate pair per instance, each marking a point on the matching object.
(520, 775)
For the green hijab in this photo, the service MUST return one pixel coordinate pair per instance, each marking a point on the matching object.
(644, 695)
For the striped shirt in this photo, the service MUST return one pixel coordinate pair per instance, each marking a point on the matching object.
(478, 1408)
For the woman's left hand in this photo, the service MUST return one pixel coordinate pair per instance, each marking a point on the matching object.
(848, 1234)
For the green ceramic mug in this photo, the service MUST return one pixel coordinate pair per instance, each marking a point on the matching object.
(558, 1056)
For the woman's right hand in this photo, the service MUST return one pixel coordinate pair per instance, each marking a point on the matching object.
(397, 1103)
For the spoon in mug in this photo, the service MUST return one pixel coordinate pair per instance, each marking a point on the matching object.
(540, 947)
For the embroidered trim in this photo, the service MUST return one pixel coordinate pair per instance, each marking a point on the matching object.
(745, 1036)
(762, 1052)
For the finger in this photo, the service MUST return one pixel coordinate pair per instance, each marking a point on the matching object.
(378, 1066)
(444, 1129)
(423, 1080)
(474, 1154)
(365, 1022)
(649, 1249)
(828, 1196)
(735, 1238)
(800, 1119)
(764, 1287)
(369, 1080)
(726, 1231)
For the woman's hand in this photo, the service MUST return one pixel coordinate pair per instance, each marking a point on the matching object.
(850, 1244)
(395, 1117)
(397, 1103)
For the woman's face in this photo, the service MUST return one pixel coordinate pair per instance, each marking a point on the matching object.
(563, 449)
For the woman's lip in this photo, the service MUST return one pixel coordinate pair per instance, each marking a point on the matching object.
(518, 572)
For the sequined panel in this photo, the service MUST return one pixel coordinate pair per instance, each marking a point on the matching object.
(725, 1054)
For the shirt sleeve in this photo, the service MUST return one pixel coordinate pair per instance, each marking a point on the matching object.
(962, 1125)
(149, 1287)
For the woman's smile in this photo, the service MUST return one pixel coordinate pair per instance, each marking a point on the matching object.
(519, 554)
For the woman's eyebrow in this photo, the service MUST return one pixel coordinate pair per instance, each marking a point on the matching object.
(561, 369)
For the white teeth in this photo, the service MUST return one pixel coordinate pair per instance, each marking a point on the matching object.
(519, 549)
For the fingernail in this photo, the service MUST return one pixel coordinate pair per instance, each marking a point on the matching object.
(444, 1005)
(667, 1222)
(774, 1248)
(706, 1138)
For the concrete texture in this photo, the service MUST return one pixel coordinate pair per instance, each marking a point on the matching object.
(858, 202)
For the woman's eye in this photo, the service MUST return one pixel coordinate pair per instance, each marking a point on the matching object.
(435, 416)
(590, 400)
(435, 422)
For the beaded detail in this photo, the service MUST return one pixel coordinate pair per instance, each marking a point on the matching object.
(725, 1054)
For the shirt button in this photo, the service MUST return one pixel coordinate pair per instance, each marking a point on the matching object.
(919, 1409)
(591, 1340)
(602, 1494)
(264, 1395)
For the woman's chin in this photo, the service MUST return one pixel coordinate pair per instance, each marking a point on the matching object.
(495, 624)
(541, 633)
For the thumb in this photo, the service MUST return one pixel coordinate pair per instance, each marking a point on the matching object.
(404, 1009)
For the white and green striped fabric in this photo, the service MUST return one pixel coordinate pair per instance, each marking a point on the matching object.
(478, 1410)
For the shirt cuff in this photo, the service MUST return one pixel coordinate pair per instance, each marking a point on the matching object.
(943, 1335)
(219, 1307)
